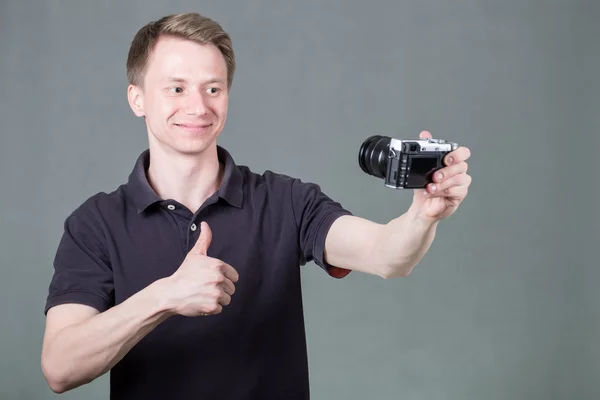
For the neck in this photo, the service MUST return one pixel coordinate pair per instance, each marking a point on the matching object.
(187, 179)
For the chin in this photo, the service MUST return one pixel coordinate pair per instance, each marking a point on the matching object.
(184, 142)
(194, 147)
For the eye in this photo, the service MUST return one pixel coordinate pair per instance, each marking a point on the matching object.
(177, 89)
(213, 90)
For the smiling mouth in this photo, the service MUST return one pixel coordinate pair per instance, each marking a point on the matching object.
(195, 129)
(194, 126)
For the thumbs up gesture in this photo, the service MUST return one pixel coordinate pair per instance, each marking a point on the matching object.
(201, 285)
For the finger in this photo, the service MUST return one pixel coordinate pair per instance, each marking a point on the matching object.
(228, 286)
(217, 309)
(229, 272)
(224, 299)
(448, 172)
(203, 243)
(425, 135)
(459, 155)
(456, 193)
(453, 193)
(445, 188)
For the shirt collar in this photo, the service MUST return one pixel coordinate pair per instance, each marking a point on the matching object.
(231, 189)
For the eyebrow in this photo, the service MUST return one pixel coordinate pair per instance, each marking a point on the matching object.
(177, 79)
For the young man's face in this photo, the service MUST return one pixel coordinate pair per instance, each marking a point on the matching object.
(184, 97)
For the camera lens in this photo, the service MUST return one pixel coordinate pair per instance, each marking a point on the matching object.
(373, 155)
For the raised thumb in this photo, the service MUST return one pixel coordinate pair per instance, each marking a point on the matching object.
(203, 242)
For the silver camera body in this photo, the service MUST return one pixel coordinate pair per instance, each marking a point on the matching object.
(404, 164)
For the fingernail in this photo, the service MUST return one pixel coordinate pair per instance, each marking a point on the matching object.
(439, 176)
(433, 188)
(450, 160)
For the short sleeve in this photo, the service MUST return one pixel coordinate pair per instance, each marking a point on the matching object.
(315, 212)
(82, 272)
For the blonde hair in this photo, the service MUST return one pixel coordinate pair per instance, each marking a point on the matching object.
(190, 26)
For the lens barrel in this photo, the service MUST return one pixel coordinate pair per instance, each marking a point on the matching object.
(373, 155)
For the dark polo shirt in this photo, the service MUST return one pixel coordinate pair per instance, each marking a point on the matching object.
(266, 226)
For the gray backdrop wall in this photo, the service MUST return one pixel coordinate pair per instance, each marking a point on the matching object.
(504, 305)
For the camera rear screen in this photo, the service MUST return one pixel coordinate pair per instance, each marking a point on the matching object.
(421, 170)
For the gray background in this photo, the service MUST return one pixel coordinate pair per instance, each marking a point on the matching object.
(504, 305)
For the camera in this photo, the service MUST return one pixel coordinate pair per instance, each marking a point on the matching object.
(403, 164)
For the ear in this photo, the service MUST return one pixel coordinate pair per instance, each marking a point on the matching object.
(135, 96)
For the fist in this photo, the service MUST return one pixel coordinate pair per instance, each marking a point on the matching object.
(202, 285)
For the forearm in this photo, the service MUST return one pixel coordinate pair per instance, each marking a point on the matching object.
(82, 352)
(403, 242)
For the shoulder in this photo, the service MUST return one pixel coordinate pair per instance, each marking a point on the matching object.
(103, 202)
(266, 186)
(99, 209)
(276, 182)
(302, 197)
(269, 178)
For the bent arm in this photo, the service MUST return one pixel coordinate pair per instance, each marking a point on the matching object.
(387, 250)
(81, 344)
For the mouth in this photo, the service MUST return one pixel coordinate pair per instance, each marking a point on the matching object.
(194, 128)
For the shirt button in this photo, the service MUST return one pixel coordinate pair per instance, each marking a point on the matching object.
(193, 227)
(171, 207)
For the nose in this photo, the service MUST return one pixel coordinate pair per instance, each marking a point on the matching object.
(196, 104)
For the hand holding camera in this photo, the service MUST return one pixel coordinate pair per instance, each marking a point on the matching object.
(436, 169)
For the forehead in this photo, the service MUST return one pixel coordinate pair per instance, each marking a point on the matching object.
(186, 59)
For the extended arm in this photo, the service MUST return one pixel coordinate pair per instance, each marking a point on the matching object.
(387, 250)
(393, 249)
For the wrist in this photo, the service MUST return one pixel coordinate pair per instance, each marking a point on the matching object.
(404, 242)
(163, 303)
(416, 218)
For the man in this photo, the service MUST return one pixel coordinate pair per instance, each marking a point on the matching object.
(185, 281)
